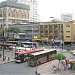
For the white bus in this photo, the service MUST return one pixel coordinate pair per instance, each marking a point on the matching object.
(30, 44)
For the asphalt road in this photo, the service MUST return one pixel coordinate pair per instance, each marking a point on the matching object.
(17, 69)
(23, 68)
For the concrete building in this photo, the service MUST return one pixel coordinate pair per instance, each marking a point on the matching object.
(33, 17)
(28, 30)
(58, 31)
(66, 17)
(13, 13)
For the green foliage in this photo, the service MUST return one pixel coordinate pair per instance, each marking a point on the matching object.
(15, 30)
(60, 57)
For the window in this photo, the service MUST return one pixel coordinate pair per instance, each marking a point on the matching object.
(67, 25)
(55, 37)
(68, 31)
(9, 14)
(55, 27)
(50, 27)
(55, 32)
(46, 32)
(50, 31)
(67, 36)
(50, 37)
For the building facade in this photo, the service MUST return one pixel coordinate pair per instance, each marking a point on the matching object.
(13, 13)
(28, 30)
(33, 17)
(58, 31)
(66, 17)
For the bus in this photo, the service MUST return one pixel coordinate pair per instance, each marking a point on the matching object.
(41, 57)
(23, 55)
(29, 44)
(7, 46)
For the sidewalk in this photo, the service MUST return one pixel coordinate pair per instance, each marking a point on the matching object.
(47, 69)
(6, 60)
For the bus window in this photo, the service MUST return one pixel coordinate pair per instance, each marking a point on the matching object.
(31, 59)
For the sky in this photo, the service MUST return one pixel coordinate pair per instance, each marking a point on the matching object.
(54, 8)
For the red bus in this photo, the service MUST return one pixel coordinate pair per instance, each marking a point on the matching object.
(23, 55)
(7, 46)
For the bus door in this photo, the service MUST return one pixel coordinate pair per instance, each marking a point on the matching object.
(26, 57)
(47, 57)
(32, 61)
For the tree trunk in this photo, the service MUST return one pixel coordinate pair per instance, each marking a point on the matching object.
(58, 64)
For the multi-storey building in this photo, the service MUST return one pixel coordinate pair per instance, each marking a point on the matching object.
(33, 17)
(66, 17)
(13, 13)
(58, 31)
(28, 30)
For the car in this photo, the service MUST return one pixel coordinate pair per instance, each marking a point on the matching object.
(73, 51)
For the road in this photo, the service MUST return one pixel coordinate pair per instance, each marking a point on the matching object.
(17, 69)
(23, 68)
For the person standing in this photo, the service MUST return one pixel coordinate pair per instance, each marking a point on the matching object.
(54, 68)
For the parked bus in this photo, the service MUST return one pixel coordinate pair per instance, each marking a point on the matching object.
(23, 55)
(29, 44)
(7, 46)
(41, 57)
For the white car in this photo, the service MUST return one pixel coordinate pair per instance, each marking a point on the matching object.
(73, 52)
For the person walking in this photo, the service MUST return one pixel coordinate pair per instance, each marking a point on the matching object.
(54, 68)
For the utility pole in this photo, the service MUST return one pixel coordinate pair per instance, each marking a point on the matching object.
(3, 45)
(3, 33)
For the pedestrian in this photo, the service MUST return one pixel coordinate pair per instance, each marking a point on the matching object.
(54, 68)
(8, 58)
(69, 66)
(37, 73)
(65, 68)
(12, 54)
(49, 47)
(5, 57)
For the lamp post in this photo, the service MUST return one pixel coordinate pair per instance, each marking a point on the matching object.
(61, 44)
(3, 45)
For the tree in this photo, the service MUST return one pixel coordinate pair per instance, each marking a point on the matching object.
(13, 30)
(60, 57)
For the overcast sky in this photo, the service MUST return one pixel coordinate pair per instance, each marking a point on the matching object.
(54, 8)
